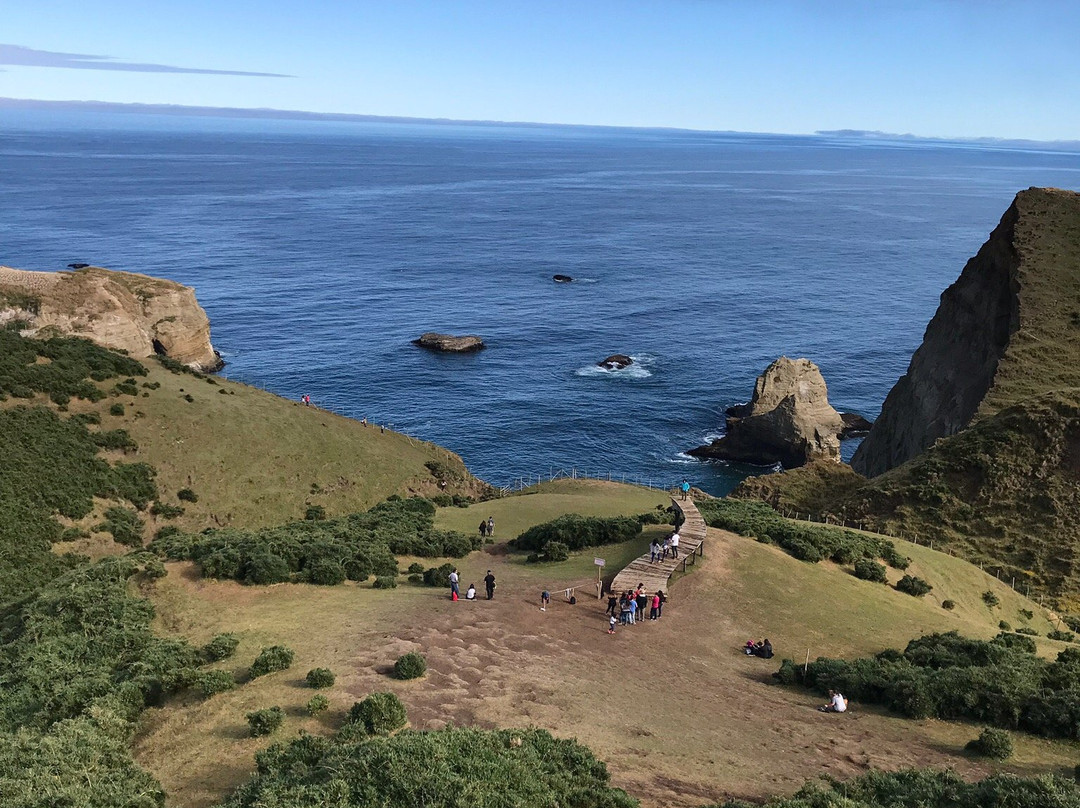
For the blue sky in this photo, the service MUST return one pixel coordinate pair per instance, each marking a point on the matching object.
(950, 69)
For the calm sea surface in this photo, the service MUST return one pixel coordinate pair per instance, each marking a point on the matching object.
(320, 250)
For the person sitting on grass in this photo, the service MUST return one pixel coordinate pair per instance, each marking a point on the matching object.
(470, 593)
(749, 647)
(764, 650)
(837, 703)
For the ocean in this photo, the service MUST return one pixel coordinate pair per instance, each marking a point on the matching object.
(320, 250)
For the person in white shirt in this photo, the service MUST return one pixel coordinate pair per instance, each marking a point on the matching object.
(454, 591)
(837, 703)
(470, 593)
(675, 544)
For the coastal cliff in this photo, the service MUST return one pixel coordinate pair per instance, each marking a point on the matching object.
(978, 447)
(122, 310)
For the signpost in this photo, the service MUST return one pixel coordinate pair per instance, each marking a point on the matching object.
(599, 562)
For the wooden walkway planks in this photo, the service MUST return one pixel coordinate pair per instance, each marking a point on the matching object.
(655, 575)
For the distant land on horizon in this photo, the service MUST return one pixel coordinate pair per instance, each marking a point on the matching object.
(180, 110)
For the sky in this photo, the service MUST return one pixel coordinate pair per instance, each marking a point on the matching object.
(995, 68)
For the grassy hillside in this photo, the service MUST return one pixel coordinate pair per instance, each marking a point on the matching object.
(504, 663)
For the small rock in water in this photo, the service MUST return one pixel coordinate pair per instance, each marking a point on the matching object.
(561, 278)
(448, 343)
(616, 362)
(78, 266)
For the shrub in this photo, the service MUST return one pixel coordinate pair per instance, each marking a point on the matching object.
(187, 495)
(416, 579)
(990, 599)
(210, 683)
(221, 646)
(166, 511)
(124, 524)
(913, 586)
(416, 568)
(116, 440)
(1071, 620)
(326, 572)
(992, 743)
(1064, 636)
(318, 704)
(410, 666)
(894, 558)
(379, 714)
(576, 532)
(269, 660)
(320, 677)
(116, 409)
(553, 551)
(265, 722)
(126, 388)
(265, 568)
(438, 576)
(1027, 630)
(1027, 614)
(385, 582)
(315, 513)
(948, 604)
(870, 571)
(1004, 626)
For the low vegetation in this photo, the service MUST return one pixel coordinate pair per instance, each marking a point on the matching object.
(324, 551)
(320, 677)
(450, 767)
(929, 788)
(272, 659)
(410, 666)
(576, 532)
(992, 743)
(1000, 682)
(379, 714)
(266, 721)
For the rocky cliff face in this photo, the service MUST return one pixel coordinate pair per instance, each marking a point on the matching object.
(134, 313)
(990, 344)
(788, 421)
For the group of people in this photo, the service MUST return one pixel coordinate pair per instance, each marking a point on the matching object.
(631, 606)
(487, 528)
(659, 550)
(761, 649)
(470, 593)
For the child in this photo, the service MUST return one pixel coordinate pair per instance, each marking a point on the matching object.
(545, 599)
(611, 625)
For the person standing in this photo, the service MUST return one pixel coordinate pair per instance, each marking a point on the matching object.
(654, 612)
(491, 526)
(675, 544)
(489, 584)
(654, 551)
(611, 625)
(660, 606)
(685, 487)
(632, 606)
(642, 599)
(612, 603)
(666, 548)
(454, 592)
(483, 528)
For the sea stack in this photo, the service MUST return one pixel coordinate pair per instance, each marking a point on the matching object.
(122, 310)
(447, 343)
(788, 421)
(616, 362)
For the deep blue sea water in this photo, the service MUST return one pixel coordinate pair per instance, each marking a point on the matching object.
(320, 250)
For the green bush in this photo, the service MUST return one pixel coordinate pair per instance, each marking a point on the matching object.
(447, 768)
(553, 551)
(269, 660)
(1004, 625)
(116, 409)
(416, 568)
(210, 683)
(992, 743)
(913, 586)
(318, 551)
(893, 557)
(416, 579)
(1028, 631)
(318, 704)
(1063, 636)
(315, 513)
(116, 440)
(221, 646)
(379, 714)
(265, 722)
(870, 571)
(187, 495)
(410, 666)
(990, 599)
(948, 604)
(124, 524)
(439, 576)
(166, 511)
(1027, 614)
(320, 677)
(576, 532)
(385, 582)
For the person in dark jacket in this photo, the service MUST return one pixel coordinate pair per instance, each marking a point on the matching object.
(489, 583)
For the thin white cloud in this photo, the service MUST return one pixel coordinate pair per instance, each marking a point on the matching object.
(30, 57)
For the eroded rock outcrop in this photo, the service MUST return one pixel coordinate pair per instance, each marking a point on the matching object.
(123, 310)
(616, 361)
(788, 421)
(448, 343)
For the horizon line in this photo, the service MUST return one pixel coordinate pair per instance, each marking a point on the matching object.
(271, 113)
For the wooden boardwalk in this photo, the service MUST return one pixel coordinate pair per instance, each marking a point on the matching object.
(655, 574)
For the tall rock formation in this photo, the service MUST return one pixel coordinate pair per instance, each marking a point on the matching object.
(981, 350)
(123, 310)
(788, 421)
